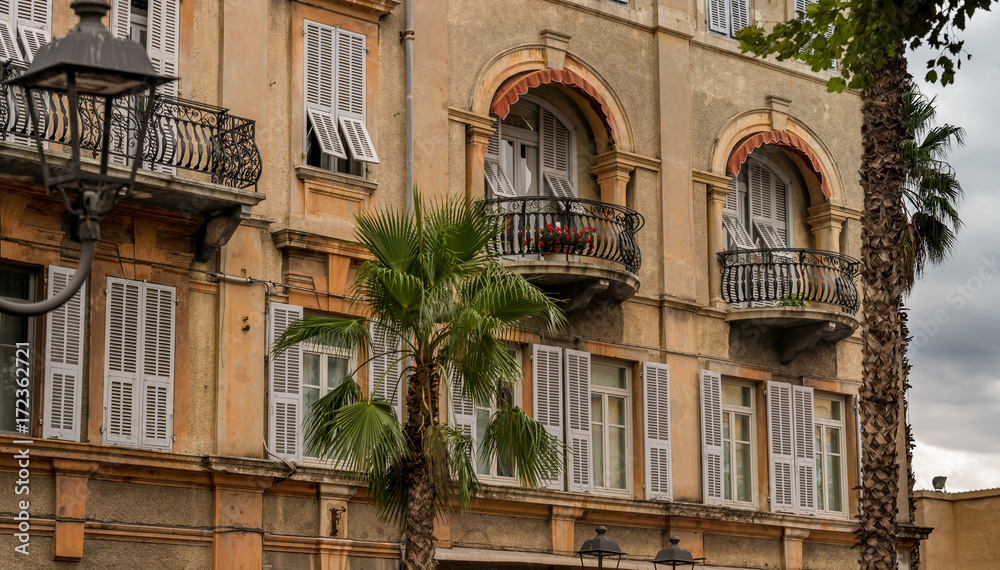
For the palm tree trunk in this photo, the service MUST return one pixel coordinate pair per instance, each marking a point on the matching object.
(883, 222)
(418, 523)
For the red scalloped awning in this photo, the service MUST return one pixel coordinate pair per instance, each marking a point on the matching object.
(511, 91)
(783, 139)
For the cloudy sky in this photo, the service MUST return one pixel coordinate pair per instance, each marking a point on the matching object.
(955, 310)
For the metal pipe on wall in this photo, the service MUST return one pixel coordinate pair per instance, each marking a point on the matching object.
(408, 34)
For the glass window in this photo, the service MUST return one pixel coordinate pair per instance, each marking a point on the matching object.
(14, 330)
(609, 415)
(139, 23)
(738, 443)
(323, 369)
(499, 467)
(829, 442)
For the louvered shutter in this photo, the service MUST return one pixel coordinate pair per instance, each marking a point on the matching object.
(351, 93)
(8, 41)
(780, 447)
(656, 394)
(768, 205)
(463, 408)
(739, 15)
(157, 349)
(711, 437)
(164, 26)
(383, 371)
(32, 39)
(121, 18)
(285, 411)
(718, 16)
(319, 54)
(122, 347)
(496, 178)
(578, 462)
(547, 394)
(800, 7)
(805, 458)
(64, 330)
(861, 448)
(556, 143)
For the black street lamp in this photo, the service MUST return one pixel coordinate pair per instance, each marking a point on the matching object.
(600, 546)
(93, 70)
(675, 556)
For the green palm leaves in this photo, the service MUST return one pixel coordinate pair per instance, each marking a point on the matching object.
(931, 191)
(432, 284)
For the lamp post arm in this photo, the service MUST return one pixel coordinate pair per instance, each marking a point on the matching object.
(82, 273)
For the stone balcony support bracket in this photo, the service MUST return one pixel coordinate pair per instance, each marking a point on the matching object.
(563, 523)
(71, 507)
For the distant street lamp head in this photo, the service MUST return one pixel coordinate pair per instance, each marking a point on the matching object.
(87, 74)
(939, 482)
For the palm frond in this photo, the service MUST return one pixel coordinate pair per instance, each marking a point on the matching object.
(535, 456)
(319, 429)
(453, 451)
(363, 436)
(332, 331)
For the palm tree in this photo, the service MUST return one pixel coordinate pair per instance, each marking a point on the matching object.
(931, 190)
(432, 285)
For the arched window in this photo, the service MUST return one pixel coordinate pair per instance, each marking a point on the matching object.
(531, 153)
(757, 211)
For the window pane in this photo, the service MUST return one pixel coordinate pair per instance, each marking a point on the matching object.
(597, 442)
(742, 425)
(833, 440)
(607, 375)
(742, 472)
(482, 420)
(727, 477)
(819, 481)
(336, 370)
(528, 171)
(8, 384)
(617, 459)
(14, 284)
(309, 395)
(826, 409)
(833, 483)
(310, 369)
(616, 411)
(734, 395)
(596, 409)
(725, 428)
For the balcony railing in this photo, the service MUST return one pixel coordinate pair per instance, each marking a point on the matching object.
(790, 278)
(181, 134)
(567, 226)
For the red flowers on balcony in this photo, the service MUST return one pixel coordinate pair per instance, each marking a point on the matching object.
(561, 240)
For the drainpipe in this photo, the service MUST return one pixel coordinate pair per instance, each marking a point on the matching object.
(408, 41)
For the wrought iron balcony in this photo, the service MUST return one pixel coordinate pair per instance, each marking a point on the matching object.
(789, 278)
(182, 134)
(554, 227)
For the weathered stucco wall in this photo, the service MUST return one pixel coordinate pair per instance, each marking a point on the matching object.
(965, 529)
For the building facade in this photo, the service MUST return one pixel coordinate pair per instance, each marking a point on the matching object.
(706, 381)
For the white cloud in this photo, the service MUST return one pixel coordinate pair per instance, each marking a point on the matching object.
(965, 470)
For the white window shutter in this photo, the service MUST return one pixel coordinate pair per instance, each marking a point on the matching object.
(33, 13)
(351, 106)
(325, 128)
(805, 457)
(656, 396)
(711, 437)
(319, 72)
(800, 7)
(358, 139)
(64, 330)
(547, 394)
(163, 35)
(718, 16)
(497, 180)
(121, 18)
(861, 450)
(384, 381)
(780, 439)
(157, 377)
(578, 461)
(731, 206)
(739, 11)
(122, 364)
(464, 409)
(765, 205)
(556, 142)
(285, 413)
(32, 39)
(8, 41)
